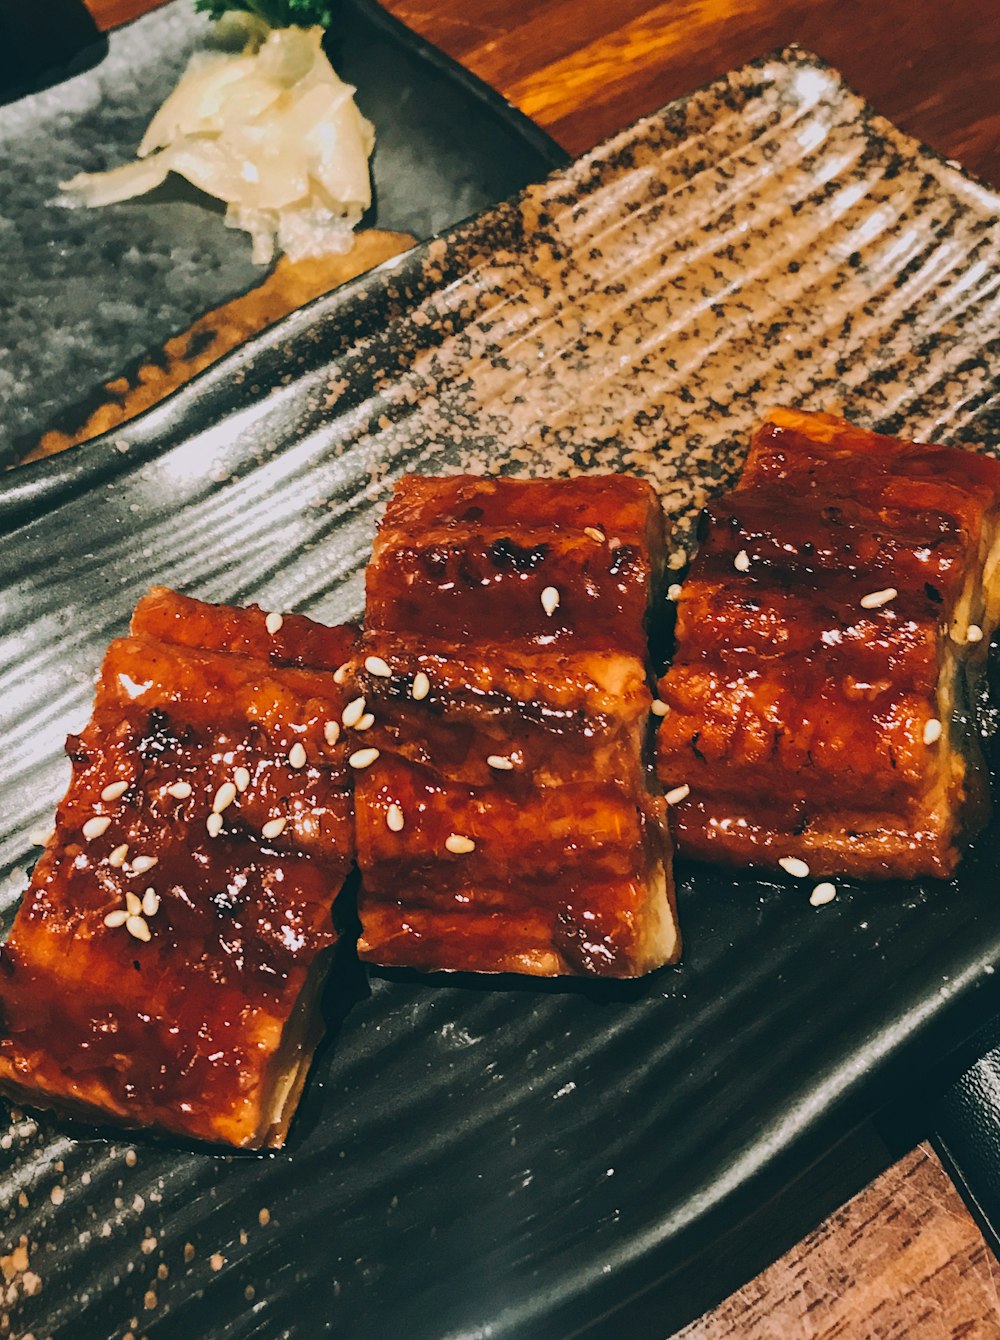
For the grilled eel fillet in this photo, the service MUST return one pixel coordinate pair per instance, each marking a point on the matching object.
(831, 635)
(196, 1014)
(505, 815)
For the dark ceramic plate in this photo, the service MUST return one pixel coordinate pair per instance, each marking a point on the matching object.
(501, 1159)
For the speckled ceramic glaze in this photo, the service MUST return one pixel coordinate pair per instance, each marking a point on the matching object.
(502, 1160)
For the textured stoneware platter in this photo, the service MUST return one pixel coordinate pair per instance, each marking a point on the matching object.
(505, 1159)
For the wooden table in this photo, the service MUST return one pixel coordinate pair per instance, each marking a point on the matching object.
(903, 1258)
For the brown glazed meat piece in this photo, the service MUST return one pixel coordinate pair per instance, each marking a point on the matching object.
(506, 822)
(831, 636)
(209, 807)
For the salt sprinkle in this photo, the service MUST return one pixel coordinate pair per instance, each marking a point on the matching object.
(459, 844)
(394, 819)
(297, 755)
(96, 827)
(876, 599)
(421, 686)
(794, 866)
(114, 790)
(376, 666)
(932, 731)
(742, 561)
(823, 893)
(678, 794)
(550, 600)
(273, 622)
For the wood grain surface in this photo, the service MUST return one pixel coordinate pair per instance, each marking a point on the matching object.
(903, 1258)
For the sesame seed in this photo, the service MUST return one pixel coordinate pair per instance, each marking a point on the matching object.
(273, 622)
(459, 844)
(40, 837)
(363, 758)
(794, 866)
(116, 918)
(742, 561)
(143, 863)
(150, 903)
(678, 794)
(366, 722)
(241, 779)
(550, 600)
(96, 827)
(179, 790)
(932, 731)
(592, 533)
(137, 927)
(331, 732)
(119, 855)
(224, 797)
(500, 761)
(823, 893)
(133, 904)
(876, 599)
(659, 708)
(421, 686)
(341, 672)
(274, 827)
(214, 824)
(376, 666)
(975, 633)
(353, 712)
(114, 790)
(297, 755)
(677, 560)
(394, 819)
(674, 591)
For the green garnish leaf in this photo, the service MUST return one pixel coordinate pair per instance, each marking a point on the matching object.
(275, 13)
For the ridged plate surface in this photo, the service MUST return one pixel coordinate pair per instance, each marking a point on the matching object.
(504, 1159)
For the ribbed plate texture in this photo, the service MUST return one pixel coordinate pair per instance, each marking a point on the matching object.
(477, 1159)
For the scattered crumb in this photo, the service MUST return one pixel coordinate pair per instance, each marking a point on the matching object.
(149, 1299)
(22, 1200)
(264, 1217)
(244, 1239)
(148, 1246)
(138, 1204)
(217, 1260)
(131, 1157)
(162, 1270)
(189, 1251)
(57, 1195)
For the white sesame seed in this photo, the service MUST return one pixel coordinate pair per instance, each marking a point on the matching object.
(876, 599)
(975, 633)
(659, 708)
(96, 827)
(214, 824)
(340, 674)
(674, 591)
(592, 533)
(40, 837)
(363, 758)
(794, 866)
(150, 903)
(137, 927)
(742, 561)
(274, 827)
(353, 712)
(932, 731)
(459, 844)
(331, 732)
(119, 855)
(241, 779)
(297, 755)
(273, 622)
(500, 761)
(133, 904)
(143, 863)
(677, 560)
(394, 819)
(366, 722)
(179, 790)
(823, 893)
(376, 666)
(224, 797)
(116, 918)
(114, 790)
(550, 600)
(678, 794)
(421, 686)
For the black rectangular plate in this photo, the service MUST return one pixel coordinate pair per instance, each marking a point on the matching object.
(510, 1159)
